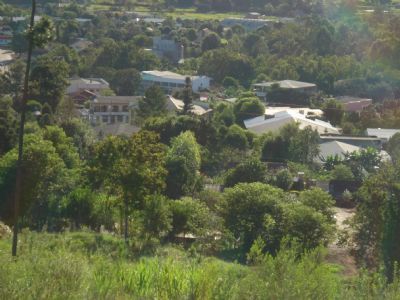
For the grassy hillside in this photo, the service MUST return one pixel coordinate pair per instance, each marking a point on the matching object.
(93, 266)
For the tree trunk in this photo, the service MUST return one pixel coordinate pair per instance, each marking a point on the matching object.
(19, 174)
(126, 221)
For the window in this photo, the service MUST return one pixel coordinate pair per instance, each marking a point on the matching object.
(120, 119)
(112, 119)
(104, 119)
(125, 108)
(115, 108)
(104, 108)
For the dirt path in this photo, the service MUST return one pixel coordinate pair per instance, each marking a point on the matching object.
(341, 255)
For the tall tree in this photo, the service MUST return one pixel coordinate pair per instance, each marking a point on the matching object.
(187, 96)
(38, 35)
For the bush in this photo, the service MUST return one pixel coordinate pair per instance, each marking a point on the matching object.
(249, 171)
(284, 180)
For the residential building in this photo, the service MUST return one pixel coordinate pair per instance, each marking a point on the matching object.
(94, 85)
(166, 48)
(81, 97)
(340, 149)
(112, 109)
(335, 148)
(274, 123)
(359, 141)
(383, 134)
(177, 105)
(262, 89)
(354, 104)
(170, 81)
(309, 112)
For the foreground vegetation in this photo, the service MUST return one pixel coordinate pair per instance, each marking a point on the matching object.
(92, 266)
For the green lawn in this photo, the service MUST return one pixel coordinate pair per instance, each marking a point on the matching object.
(191, 13)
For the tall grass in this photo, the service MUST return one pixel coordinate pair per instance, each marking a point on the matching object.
(89, 266)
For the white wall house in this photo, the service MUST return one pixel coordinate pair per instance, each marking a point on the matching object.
(170, 81)
(112, 109)
(94, 85)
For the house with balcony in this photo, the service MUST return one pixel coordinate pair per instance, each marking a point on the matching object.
(112, 109)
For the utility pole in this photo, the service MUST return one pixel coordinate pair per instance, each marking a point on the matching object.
(19, 174)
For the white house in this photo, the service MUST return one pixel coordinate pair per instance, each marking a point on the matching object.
(94, 85)
(264, 124)
(170, 81)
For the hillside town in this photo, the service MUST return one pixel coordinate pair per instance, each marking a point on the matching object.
(199, 149)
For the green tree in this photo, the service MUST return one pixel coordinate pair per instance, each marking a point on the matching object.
(374, 217)
(393, 147)
(248, 108)
(320, 200)
(157, 216)
(78, 206)
(49, 81)
(306, 225)
(42, 168)
(153, 104)
(126, 82)
(304, 146)
(333, 111)
(211, 42)
(11, 81)
(236, 138)
(251, 210)
(131, 169)
(8, 125)
(190, 216)
(284, 180)
(252, 170)
(223, 114)
(183, 164)
(342, 172)
(223, 62)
